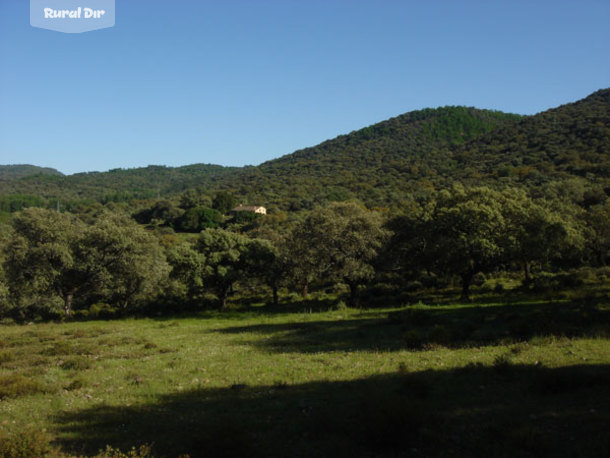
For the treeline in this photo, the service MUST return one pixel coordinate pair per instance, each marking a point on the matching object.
(102, 263)
(117, 185)
(420, 152)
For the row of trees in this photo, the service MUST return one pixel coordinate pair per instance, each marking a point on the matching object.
(79, 260)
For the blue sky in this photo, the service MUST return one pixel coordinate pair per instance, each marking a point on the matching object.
(240, 82)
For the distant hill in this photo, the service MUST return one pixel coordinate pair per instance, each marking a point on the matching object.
(571, 140)
(118, 184)
(433, 148)
(375, 162)
(414, 153)
(13, 172)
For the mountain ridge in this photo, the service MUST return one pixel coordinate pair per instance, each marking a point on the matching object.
(411, 153)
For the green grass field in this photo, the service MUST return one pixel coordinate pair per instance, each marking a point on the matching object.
(494, 379)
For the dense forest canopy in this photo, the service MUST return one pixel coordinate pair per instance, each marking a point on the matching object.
(13, 172)
(413, 153)
(433, 198)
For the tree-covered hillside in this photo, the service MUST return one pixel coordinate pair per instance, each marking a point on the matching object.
(402, 154)
(431, 149)
(572, 140)
(13, 172)
(412, 154)
(118, 184)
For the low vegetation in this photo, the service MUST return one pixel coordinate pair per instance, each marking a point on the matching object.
(487, 379)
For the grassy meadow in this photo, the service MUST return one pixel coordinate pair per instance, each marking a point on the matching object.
(509, 378)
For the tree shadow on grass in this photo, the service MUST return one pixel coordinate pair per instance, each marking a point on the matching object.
(504, 410)
(422, 327)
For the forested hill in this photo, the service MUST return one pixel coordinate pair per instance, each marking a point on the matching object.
(13, 172)
(118, 184)
(433, 148)
(572, 140)
(413, 153)
(376, 162)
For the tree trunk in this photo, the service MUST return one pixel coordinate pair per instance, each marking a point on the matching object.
(224, 294)
(527, 271)
(68, 305)
(466, 280)
(353, 295)
(276, 299)
(304, 290)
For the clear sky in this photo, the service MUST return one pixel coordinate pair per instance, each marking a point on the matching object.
(240, 82)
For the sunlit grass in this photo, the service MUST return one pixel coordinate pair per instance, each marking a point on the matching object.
(55, 377)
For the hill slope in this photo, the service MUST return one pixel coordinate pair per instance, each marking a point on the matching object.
(412, 153)
(118, 184)
(374, 162)
(13, 172)
(573, 139)
(431, 149)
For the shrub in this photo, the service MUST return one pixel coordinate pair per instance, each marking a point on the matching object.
(16, 385)
(75, 363)
(413, 339)
(75, 384)
(479, 279)
(6, 357)
(419, 317)
(103, 311)
(27, 443)
(502, 364)
(440, 334)
(413, 286)
(143, 451)
(339, 305)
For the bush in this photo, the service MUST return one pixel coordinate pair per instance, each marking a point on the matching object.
(27, 443)
(413, 339)
(103, 311)
(413, 286)
(339, 305)
(198, 218)
(15, 385)
(6, 357)
(75, 363)
(143, 451)
(479, 279)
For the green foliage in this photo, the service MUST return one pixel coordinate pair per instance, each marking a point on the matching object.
(16, 202)
(54, 253)
(597, 221)
(336, 243)
(13, 172)
(16, 385)
(130, 266)
(224, 202)
(198, 218)
(187, 270)
(381, 165)
(227, 258)
(540, 204)
(162, 212)
(192, 198)
(504, 378)
(118, 185)
(244, 217)
(30, 442)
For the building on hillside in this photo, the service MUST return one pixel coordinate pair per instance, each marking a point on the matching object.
(251, 208)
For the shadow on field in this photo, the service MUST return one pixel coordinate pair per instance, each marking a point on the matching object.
(504, 411)
(421, 328)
